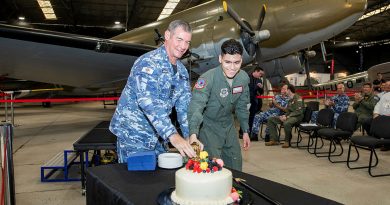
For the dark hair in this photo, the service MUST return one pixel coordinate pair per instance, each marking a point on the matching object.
(257, 69)
(283, 84)
(379, 73)
(369, 84)
(291, 87)
(179, 23)
(231, 47)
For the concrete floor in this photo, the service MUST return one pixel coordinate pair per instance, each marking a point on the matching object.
(40, 133)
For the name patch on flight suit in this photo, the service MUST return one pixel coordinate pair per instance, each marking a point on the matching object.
(224, 92)
(201, 83)
(237, 90)
(147, 70)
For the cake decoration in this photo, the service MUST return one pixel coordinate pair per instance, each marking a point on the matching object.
(204, 181)
(203, 164)
(236, 195)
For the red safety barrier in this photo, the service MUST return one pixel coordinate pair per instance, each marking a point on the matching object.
(58, 100)
(264, 97)
(4, 94)
(311, 96)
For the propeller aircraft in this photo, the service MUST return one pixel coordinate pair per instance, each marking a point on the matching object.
(273, 32)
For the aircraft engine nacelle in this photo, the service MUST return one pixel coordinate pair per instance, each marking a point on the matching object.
(276, 69)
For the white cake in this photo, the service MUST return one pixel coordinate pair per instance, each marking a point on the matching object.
(202, 188)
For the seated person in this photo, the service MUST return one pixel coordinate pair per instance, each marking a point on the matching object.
(376, 84)
(364, 106)
(276, 109)
(383, 89)
(338, 103)
(383, 107)
(294, 115)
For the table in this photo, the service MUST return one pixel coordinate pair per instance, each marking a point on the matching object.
(114, 184)
(98, 138)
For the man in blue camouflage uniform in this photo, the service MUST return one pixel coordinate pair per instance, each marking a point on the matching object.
(293, 115)
(338, 103)
(158, 82)
(276, 105)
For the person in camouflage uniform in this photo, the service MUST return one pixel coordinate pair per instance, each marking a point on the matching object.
(338, 103)
(276, 106)
(216, 95)
(294, 115)
(158, 81)
(364, 106)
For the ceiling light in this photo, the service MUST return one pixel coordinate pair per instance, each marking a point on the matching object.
(47, 9)
(347, 38)
(117, 22)
(21, 18)
(168, 9)
(375, 12)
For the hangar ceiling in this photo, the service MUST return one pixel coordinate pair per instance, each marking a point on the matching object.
(97, 17)
(88, 17)
(374, 28)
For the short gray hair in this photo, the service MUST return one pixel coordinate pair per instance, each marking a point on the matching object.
(179, 23)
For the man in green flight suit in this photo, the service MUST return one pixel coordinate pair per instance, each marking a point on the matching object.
(294, 114)
(364, 106)
(216, 95)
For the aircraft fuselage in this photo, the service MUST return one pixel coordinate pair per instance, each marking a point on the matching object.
(293, 25)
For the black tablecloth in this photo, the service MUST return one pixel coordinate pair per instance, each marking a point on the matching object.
(114, 184)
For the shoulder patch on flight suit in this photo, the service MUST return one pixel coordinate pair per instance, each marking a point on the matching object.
(201, 83)
(224, 92)
(386, 104)
(237, 89)
(147, 70)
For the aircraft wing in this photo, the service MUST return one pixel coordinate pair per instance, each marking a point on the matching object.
(66, 59)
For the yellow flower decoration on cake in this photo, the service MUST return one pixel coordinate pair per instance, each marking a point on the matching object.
(204, 165)
(203, 155)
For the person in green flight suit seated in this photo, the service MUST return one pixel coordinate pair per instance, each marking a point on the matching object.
(293, 115)
(218, 94)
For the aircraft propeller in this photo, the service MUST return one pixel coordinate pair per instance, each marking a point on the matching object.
(250, 38)
(159, 38)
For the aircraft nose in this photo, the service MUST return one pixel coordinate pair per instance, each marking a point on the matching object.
(358, 5)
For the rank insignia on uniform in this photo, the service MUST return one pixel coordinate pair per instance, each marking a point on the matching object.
(147, 70)
(224, 92)
(237, 89)
(201, 83)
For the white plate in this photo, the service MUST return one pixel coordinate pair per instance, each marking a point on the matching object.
(170, 160)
